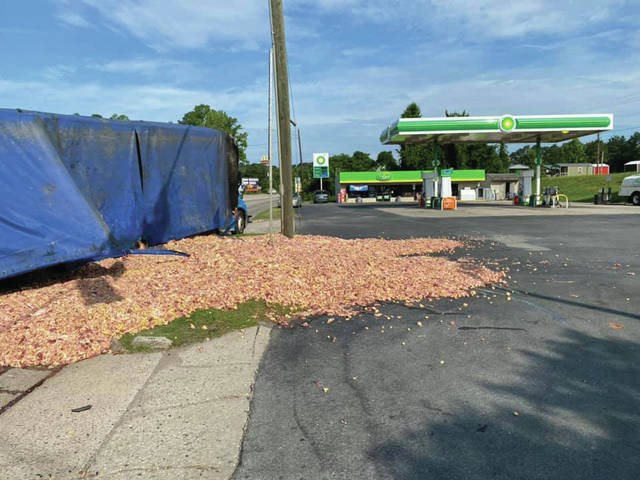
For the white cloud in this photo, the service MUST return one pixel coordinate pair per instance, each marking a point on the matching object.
(480, 18)
(73, 19)
(165, 24)
(144, 66)
(149, 101)
(56, 72)
(359, 51)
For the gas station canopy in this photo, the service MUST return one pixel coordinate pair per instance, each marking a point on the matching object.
(496, 129)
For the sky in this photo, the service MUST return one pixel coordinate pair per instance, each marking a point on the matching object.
(354, 64)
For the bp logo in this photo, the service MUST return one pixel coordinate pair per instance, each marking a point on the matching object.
(320, 160)
(507, 123)
(383, 177)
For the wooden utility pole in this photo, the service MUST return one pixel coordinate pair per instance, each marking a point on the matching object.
(270, 149)
(282, 101)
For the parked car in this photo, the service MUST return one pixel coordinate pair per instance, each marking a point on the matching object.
(295, 198)
(630, 189)
(320, 196)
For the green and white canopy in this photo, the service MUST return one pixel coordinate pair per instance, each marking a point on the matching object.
(496, 129)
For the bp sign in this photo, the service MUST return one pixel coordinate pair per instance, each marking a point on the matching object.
(320, 165)
(320, 159)
(507, 123)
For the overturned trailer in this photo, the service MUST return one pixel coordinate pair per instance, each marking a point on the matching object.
(78, 188)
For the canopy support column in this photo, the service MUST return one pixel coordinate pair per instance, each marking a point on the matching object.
(436, 160)
(538, 163)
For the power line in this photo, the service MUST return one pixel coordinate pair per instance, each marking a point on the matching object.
(625, 129)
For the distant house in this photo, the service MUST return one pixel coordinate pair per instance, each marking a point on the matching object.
(572, 169)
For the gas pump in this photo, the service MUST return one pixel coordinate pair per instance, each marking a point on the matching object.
(550, 197)
(524, 187)
(430, 188)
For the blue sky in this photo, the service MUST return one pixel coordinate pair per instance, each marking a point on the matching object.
(354, 64)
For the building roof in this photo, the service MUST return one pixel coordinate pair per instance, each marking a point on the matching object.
(574, 164)
(634, 162)
(496, 129)
(407, 176)
(502, 177)
(519, 166)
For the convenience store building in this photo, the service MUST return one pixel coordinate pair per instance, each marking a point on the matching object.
(403, 185)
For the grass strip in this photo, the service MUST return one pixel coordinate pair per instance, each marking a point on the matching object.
(203, 325)
(265, 214)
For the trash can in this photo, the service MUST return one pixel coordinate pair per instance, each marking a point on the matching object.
(515, 199)
(597, 199)
(533, 201)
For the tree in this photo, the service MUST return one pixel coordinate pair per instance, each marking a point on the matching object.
(525, 156)
(414, 157)
(259, 171)
(122, 117)
(552, 155)
(339, 163)
(412, 111)
(591, 151)
(386, 161)
(305, 172)
(483, 156)
(96, 115)
(361, 162)
(573, 152)
(505, 161)
(204, 116)
(457, 156)
(618, 153)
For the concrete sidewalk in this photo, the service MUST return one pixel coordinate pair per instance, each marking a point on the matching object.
(179, 414)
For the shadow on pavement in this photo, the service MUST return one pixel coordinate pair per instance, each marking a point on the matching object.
(44, 277)
(574, 303)
(577, 418)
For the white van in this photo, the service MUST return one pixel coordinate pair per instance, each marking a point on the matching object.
(630, 189)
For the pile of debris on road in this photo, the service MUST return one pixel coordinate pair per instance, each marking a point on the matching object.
(59, 318)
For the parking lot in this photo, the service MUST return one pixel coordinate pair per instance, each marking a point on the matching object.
(534, 379)
(499, 208)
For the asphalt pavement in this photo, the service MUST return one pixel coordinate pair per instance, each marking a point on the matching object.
(258, 202)
(536, 379)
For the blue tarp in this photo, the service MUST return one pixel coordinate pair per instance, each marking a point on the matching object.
(78, 188)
